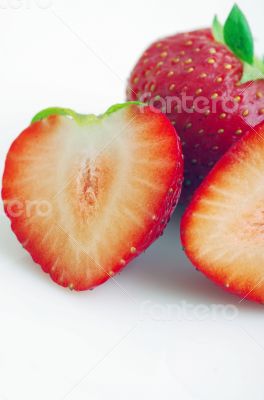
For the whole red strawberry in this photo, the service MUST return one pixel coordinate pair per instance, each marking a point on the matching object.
(209, 84)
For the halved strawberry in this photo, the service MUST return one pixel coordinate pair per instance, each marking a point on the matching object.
(87, 194)
(222, 230)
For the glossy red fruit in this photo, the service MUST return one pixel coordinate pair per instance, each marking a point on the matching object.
(85, 195)
(222, 229)
(196, 81)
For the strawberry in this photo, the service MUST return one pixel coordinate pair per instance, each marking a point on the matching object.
(86, 194)
(222, 228)
(208, 84)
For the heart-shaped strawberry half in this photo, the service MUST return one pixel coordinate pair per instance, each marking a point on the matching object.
(86, 194)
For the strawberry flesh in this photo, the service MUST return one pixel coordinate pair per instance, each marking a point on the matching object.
(85, 199)
(222, 229)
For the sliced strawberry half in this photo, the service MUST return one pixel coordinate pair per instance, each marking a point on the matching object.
(87, 194)
(223, 228)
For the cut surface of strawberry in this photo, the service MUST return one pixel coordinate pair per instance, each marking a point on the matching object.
(222, 230)
(86, 194)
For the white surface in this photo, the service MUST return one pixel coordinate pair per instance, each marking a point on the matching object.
(155, 333)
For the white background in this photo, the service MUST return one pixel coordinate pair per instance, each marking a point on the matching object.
(154, 332)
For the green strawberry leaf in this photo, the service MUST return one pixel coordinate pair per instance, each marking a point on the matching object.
(218, 31)
(253, 72)
(238, 36)
(259, 64)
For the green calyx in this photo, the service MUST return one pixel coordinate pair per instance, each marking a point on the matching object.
(237, 36)
(82, 119)
(218, 31)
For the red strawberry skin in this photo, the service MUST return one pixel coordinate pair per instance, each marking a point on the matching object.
(103, 213)
(222, 227)
(193, 66)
